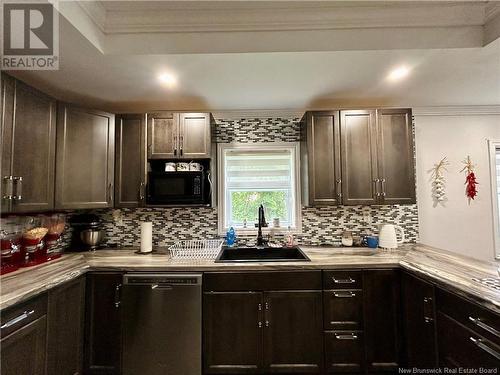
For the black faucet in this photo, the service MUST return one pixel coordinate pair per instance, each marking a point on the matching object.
(261, 223)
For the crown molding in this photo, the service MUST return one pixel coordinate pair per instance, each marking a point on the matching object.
(282, 17)
(96, 12)
(457, 110)
(257, 114)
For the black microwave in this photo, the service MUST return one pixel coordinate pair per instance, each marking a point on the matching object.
(178, 188)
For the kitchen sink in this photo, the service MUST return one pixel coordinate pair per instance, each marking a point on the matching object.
(261, 254)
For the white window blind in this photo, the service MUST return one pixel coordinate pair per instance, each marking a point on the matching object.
(255, 175)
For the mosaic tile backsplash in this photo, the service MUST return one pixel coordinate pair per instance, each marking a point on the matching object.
(320, 225)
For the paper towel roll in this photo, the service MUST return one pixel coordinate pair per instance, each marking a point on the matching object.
(146, 237)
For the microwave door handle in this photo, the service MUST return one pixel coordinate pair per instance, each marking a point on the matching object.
(210, 185)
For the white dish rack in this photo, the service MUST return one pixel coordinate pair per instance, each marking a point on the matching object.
(196, 249)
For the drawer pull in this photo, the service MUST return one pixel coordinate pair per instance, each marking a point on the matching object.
(428, 319)
(18, 319)
(352, 336)
(486, 327)
(344, 294)
(480, 344)
(350, 280)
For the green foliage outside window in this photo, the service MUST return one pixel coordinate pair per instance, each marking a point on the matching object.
(245, 205)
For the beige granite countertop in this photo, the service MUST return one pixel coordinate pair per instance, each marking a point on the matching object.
(444, 268)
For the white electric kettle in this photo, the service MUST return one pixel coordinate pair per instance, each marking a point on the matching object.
(387, 238)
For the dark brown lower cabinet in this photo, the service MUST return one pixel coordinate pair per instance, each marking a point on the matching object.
(382, 320)
(66, 306)
(23, 352)
(266, 330)
(24, 338)
(462, 347)
(293, 330)
(233, 329)
(102, 347)
(419, 322)
(344, 352)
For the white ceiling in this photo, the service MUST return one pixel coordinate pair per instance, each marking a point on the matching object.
(241, 57)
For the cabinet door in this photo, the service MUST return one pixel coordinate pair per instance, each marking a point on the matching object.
(396, 156)
(102, 351)
(419, 322)
(65, 328)
(194, 135)
(7, 113)
(293, 337)
(232, 339)
(359, 157)
(323, 144)
(130, 172)
(23, 352)
(163, 135)
(33, 149)
(85, 158)
(381, 305)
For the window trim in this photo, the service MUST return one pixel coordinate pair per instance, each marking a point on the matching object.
(221, 183)
(493, 145)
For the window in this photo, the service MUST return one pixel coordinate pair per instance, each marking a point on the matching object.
(255, 174)
(495, 189)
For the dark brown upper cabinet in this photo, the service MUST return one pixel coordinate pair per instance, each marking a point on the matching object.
(359, 157)
(320, 158)
(85, 158)
(28, 147)
(178, 135)
(130, 164)
(396, 164)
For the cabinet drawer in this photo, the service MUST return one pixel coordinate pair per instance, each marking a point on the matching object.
(462, 347)
(342, 280)
(274, 280)
(344, 351)
(20, 315)
(343, 309)
(478, 319)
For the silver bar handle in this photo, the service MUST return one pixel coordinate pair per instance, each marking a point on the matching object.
(8, 181)
(352, 336)
(486, 327)
(348, 294)
(350, 280)
(428, 319)
(117, 295)
(480, 344)
(382, 187)
(339, 188)
(141, 191)
(17, 319)
(375, 184)
(175, 145)
(181, 143)
(18, 183)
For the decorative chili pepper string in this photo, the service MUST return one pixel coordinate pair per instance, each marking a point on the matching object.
(470, 179)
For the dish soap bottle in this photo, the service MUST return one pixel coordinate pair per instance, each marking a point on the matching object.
(289, 240)
(230, 237)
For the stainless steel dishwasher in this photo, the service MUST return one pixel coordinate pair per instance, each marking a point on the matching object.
(161, 317)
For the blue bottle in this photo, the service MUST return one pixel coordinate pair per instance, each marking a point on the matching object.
(230, 237)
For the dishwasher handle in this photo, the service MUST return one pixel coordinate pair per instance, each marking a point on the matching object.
(162, 280)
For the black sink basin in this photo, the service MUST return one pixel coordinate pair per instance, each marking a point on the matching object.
(264, 254)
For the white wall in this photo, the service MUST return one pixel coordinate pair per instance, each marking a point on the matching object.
(458, 226)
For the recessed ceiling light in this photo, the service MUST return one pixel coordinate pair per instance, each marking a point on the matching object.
(167, 79)
(398, 73)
